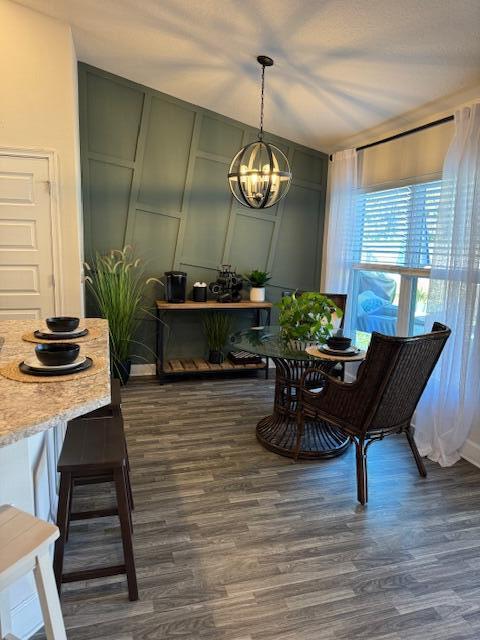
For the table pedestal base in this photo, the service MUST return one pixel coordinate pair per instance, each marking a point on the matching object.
(278, 432)
(320, 439)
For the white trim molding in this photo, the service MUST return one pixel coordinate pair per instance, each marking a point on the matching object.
(143, 370)
(471, 452)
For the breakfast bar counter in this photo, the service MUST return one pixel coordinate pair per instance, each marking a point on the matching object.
(33, 419)
(30, 408)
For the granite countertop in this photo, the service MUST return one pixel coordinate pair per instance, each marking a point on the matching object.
(29, 408)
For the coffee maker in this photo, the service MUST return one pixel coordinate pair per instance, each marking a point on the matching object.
(175, 286)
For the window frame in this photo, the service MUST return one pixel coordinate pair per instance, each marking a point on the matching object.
(408, 275)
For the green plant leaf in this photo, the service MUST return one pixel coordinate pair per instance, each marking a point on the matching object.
(307, 317)
(258, 278)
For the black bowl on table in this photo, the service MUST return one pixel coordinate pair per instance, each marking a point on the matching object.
(55, 355)
(61, 324)
(339, 343)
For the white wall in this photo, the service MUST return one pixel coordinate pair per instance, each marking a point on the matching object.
(39, 110)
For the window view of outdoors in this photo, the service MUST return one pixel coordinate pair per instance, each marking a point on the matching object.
(377, 308)
(398, 228)
(419, 307)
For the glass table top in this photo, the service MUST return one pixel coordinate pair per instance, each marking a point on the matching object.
(267, 341)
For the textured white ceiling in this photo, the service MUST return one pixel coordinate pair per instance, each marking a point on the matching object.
(341, 66)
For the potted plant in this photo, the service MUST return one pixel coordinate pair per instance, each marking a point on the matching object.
(307, 319)
(118, 284)
(217, 328)
(257, 279)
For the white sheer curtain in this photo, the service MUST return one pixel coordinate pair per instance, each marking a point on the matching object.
(451, 403)
(340, 253)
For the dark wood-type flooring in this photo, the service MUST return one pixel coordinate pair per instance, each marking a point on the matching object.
(236, 543)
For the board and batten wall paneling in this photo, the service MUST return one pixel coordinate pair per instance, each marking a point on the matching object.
(154, 175)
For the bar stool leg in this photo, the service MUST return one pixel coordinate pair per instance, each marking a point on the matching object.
(69, 510)
(49, 601)
(62, 522)
(129, 486)
(5, 617)
(124, 517)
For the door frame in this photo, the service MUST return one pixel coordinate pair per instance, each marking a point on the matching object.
(55, 220)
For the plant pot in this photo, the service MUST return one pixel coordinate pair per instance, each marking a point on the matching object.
(257, 294)
(215, 357)
(121, 371)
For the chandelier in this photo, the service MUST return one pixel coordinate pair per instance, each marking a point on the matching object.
(260, 175)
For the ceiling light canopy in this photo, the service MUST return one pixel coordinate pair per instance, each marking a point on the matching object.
(260, 175)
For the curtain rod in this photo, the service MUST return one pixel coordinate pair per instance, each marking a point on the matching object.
(422, 127)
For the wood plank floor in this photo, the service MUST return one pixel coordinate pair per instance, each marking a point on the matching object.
(236, 543)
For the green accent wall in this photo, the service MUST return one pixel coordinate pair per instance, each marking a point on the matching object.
(154, 175)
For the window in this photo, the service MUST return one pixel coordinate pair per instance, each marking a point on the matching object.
(396, 234)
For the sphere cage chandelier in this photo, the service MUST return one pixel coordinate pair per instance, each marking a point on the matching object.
(260, 176)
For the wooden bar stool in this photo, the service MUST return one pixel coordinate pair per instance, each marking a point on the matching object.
(93, 450)
(24, 546)
(112, 410)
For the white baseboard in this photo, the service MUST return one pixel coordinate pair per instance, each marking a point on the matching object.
(471, 452)
(143, 370)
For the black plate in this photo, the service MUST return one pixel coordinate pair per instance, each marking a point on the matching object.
(24, 368)
(344, 353)
(59, 338)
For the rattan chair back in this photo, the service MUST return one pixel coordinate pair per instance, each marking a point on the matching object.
(395, 373)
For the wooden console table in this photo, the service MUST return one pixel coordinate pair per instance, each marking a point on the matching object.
(169, 368)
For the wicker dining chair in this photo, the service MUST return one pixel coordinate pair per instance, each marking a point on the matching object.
(381, 401)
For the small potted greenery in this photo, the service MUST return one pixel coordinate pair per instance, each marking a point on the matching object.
(307, 319)
(217, 327)
(257, 280)
(118, 284)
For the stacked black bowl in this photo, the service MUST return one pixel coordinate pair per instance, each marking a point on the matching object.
(62, 324)
(339, 342)
(57, 354)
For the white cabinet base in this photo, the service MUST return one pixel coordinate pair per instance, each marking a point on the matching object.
(28, 480)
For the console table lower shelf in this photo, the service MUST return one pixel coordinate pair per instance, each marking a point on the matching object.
(202, 365)
(171, 368)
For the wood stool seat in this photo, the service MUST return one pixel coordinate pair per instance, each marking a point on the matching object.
(24, 547)
(95, 450)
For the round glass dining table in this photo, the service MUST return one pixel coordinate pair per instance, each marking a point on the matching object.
(277, 431)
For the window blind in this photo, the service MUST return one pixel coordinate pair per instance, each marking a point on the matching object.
(398, 226)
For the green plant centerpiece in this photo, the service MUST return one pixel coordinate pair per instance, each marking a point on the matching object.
(307, 319)
(217, 327)
(118, 284)
(257, 280)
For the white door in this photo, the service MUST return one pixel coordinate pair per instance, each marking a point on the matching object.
(26, 250)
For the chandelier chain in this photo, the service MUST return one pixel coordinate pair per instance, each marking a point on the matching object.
(260, 133)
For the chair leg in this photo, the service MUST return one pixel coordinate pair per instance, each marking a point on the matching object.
(362, 483)
(299, 435)
(49, 601)
(125, 526)
(62, 520)
(418, 458)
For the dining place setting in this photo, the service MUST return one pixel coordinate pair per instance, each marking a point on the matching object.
(337, 347)
(54, 358)
(58, 353)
